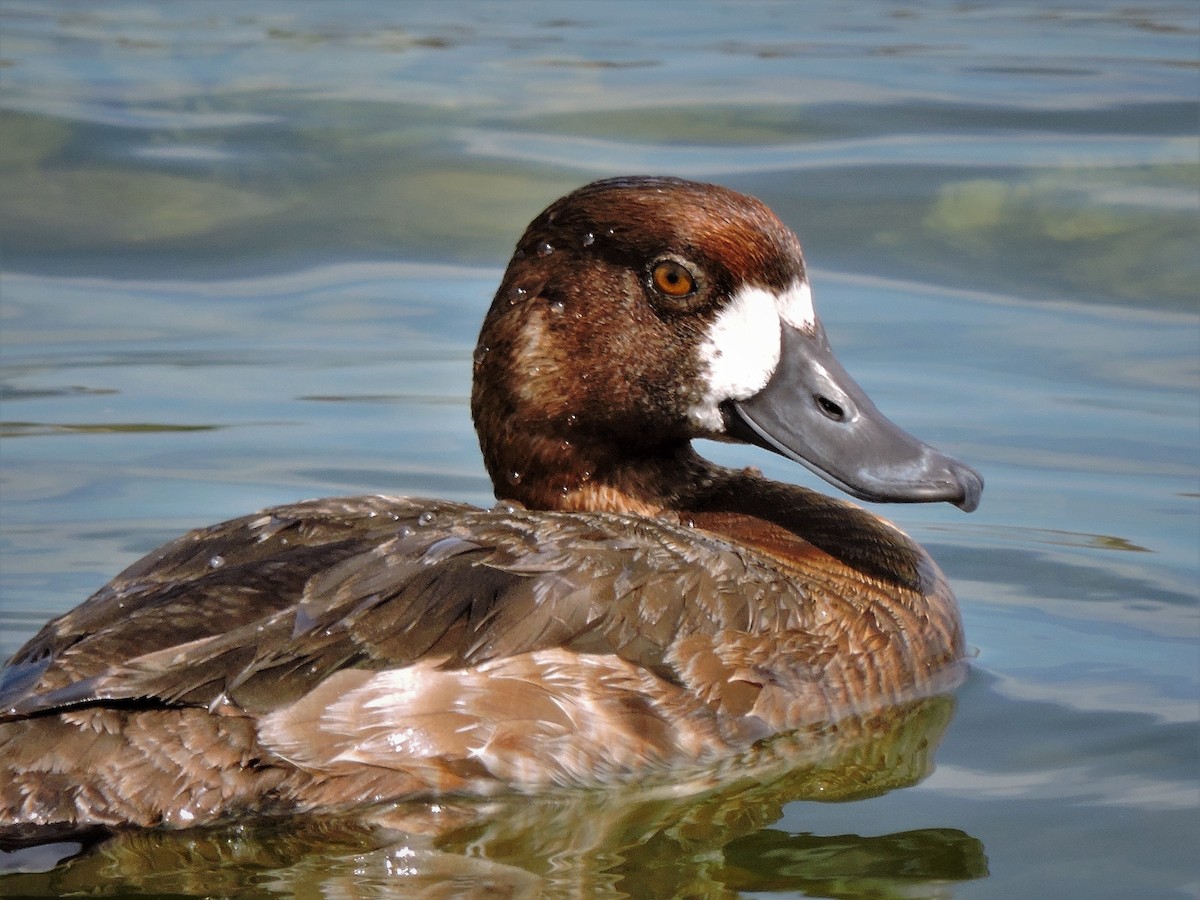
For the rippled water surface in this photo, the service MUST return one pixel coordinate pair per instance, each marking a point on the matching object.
(246, 248)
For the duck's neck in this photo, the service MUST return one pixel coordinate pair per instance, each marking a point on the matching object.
(672, 479)
(574, 475)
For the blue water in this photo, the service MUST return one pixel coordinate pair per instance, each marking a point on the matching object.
(246, 248)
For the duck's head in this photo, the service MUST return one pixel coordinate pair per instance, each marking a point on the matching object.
(640, 313)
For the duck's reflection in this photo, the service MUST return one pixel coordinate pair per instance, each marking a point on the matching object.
(643, 843)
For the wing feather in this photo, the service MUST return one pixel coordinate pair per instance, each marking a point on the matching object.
(374, 583)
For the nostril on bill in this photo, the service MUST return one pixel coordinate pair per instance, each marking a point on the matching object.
(829, 408)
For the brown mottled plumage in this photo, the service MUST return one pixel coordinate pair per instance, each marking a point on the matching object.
(629, 611)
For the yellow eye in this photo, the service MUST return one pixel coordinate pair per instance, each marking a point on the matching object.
(672, 279)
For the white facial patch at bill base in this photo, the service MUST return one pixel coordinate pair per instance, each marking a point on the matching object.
(742, 347)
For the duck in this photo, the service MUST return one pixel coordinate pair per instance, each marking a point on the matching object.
(628, 612)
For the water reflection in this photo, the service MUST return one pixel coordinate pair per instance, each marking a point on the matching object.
(578, 844)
